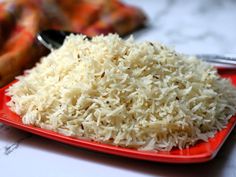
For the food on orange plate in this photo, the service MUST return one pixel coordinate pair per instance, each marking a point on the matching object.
(137, 95)
(20, 20)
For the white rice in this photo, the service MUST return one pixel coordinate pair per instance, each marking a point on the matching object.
(137, 95)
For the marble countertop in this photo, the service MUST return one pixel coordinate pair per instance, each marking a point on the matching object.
(203, 26)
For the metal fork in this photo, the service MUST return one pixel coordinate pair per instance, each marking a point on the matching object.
(218, 59)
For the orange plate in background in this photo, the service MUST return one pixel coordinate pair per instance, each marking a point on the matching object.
(201, 152)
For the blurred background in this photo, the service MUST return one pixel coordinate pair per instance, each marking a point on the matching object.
(202, 26)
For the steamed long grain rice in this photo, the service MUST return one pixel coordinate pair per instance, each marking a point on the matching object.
(137, 95)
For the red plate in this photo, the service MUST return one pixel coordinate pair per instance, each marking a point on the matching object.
(201, 152)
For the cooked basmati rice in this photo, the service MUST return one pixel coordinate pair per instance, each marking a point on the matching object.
(137, 95)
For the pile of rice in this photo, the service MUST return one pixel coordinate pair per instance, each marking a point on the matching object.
(137, 95)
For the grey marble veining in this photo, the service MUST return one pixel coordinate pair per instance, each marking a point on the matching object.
(10, 139)
(203, 26)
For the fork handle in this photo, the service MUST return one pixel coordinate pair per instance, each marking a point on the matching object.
(220, 59)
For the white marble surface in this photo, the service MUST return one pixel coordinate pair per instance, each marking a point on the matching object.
(203, 26)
